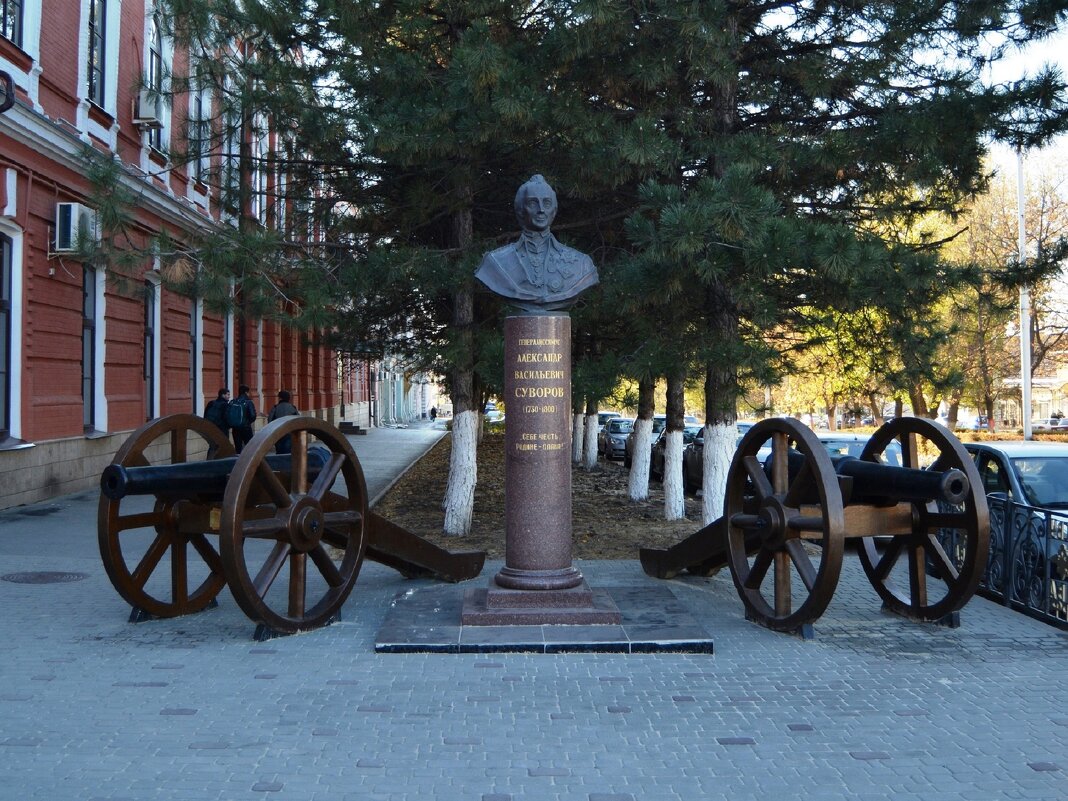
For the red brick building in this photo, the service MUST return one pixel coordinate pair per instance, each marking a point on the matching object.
(84, 361)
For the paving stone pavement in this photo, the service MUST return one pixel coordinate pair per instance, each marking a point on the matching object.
(98, 709)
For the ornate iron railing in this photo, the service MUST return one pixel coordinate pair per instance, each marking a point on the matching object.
(1028, 564)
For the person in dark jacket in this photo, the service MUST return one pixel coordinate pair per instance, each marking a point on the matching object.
(243, 432)
(215, 412)
(283, 409)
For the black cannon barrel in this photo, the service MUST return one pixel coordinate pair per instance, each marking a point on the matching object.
(877, 483)
(186, 479)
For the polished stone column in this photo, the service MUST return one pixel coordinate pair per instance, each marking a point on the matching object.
(538, 584)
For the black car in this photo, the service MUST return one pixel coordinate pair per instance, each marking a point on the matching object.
(656, 462)
(1026, 484)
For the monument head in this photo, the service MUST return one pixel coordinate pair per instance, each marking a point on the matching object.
(537, 273)
(535, 205)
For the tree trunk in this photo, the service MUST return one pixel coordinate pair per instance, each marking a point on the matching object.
(578, 435)
(919, 402)
(459, 501)
(832, 416)
(876, 410)
(721, 392)
(638, 480)
(589, 442)
(899, 408)
(674, 492)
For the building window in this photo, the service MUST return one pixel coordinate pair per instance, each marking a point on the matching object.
(5, 336)
(88, 346)
(198, 139)
(155, 80)
(150, 350)
(11, 21)
(97, 42)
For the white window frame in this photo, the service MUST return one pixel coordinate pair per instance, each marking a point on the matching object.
(87, 126)
(153, 278)
(15, 234)
(28, 79)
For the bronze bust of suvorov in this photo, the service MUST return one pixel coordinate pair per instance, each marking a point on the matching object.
(536, 272)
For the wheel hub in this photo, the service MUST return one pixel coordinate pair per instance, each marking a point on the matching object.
(305, 524)
(773, 519)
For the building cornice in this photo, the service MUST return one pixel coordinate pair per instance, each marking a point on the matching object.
(59, 141)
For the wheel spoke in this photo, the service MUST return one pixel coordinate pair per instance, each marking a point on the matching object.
(759, 570)
(783, 601)
(298, 565)
(918, 576)
(266, 529)
(179, 573)
(780, 461)
(889, 558)
(207, 553)
(348, 517)
(948, 570)
(274, 487)
(178, 445)
(945, 520)
(150, 560)
(756, 474)
(326, 566)
(142, 520)
(271, 568)
(910, 456)
(325, 480)
(298, 471)
(804, 565)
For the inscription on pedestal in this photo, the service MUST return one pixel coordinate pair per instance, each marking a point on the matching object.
(537, 390)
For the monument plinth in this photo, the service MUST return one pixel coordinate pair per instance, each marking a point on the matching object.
(538, 583)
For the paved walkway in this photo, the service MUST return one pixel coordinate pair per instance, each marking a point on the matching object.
(875, 708)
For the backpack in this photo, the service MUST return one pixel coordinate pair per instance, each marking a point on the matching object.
(214, 413)
(236, 414)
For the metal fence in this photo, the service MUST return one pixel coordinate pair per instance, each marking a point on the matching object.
(1028, 564)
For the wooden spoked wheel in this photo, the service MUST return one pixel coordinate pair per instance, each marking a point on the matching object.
(933, 571)
(785, 532)
(292, 548)
(136, 533)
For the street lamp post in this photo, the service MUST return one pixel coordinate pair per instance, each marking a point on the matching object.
(1025, 303)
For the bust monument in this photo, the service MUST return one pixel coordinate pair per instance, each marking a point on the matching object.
(537, 272)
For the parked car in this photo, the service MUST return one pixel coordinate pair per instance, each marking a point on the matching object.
(1026, 483)
(612, 440)
(659, 422)
(1046, 423)
(656, 459)
(604, 417)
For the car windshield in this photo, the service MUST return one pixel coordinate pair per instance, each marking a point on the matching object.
(659, 423)
(1044, 479)
(620, 426)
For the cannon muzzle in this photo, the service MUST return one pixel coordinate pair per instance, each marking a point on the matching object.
(188, 479)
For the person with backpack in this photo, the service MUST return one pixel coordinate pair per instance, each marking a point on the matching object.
(215, 412)
(240, 414)
(283, 409)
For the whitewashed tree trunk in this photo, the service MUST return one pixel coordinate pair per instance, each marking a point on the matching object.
(638, 480)
(459, 502)
(577, 425)
(589, 445)
(674, 492)
(716, 461)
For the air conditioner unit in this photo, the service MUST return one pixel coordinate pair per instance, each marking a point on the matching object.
(73, 221)
(147, 114)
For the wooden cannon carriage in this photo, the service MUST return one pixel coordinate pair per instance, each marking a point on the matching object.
(292, 530)
(786, 520)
